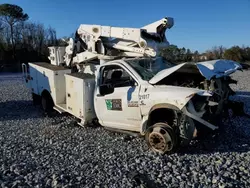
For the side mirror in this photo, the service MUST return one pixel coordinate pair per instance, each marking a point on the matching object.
(106, 89)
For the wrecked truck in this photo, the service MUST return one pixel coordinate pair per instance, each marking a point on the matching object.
(112, 76)
(166, 105)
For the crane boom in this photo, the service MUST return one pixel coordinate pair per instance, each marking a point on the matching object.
(106, 42)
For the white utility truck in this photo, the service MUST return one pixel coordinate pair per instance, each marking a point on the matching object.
(115, 76)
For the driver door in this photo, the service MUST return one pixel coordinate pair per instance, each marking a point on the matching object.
(120, 108)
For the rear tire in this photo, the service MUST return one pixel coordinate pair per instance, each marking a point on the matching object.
(162, 138)
(47, 103)
(36, 99)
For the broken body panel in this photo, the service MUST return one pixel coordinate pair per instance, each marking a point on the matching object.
(198, 90)
(208, 69)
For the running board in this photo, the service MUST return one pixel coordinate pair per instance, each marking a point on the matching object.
(60, 110)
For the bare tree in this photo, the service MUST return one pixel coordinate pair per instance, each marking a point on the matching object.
(234, 53)
(216, 52)
(51, 37)
(196, 56)
(11, 15)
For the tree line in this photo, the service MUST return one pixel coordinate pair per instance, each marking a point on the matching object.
(175, 54)
(24, 41)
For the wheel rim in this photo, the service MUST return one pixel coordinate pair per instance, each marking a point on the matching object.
(160, 140)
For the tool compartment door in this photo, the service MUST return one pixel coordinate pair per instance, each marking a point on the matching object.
(33, 72)
(75, 95)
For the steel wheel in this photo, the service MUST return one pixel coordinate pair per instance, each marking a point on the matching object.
(161, 138)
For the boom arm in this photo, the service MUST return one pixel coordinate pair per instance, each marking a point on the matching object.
(106, 42)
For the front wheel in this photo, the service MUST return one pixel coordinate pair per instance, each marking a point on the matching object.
(162, 138)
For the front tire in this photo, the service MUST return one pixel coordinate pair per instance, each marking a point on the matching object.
(162, 138)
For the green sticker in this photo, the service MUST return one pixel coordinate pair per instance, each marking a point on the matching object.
(109, 104)
(114, 104)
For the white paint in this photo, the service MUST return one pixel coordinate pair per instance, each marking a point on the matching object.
(176, 96)
(164, 73)
(79, 97)
(46, 79)
(56, 55)
(130, 41)
(218, 68)
(129, 118)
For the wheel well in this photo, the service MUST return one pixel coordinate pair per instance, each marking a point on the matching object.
(162, 115)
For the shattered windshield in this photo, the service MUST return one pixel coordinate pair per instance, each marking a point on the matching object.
(147, 68)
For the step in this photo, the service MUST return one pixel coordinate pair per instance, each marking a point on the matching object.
(61, 108)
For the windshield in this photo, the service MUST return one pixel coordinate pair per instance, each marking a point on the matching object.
(147, 68)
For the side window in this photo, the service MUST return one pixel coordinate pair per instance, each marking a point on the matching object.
(117, 77)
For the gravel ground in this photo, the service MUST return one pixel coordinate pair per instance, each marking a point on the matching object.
(38, 151)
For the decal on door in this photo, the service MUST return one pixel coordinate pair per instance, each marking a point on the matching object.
(145, 96)
(133, 104)
(142, 103)
(114, 104)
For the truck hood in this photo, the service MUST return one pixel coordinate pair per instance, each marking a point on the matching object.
(208, 69)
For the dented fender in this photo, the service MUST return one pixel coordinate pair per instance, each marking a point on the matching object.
(173, 97)
(176, 103)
